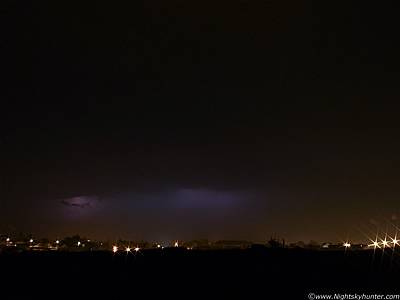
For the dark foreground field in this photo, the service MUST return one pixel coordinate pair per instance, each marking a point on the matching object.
(175, 272)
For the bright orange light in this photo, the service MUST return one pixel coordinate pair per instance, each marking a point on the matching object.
(137, 249)
(115, 249)
(347, 245)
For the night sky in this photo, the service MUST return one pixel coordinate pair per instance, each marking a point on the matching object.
(185, 120)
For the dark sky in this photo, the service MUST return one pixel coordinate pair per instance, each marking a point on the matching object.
(182, 120)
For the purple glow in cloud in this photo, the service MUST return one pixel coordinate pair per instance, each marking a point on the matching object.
(82, 205)
(81, 201)
(194, 198)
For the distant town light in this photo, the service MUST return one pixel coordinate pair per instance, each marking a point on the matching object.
(8, 239)
(374, 244)
(128, 249)
(57, 242)
(176, 244)
(137, 249)
(384, 243)
(31, 240)
(115, 249)
(158, 246)
(79, 243)
(347, 245)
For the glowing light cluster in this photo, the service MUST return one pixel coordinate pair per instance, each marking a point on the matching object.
(385, 243)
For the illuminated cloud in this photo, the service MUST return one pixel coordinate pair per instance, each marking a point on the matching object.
(82, 202)
(82, 206)
(208, 198)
